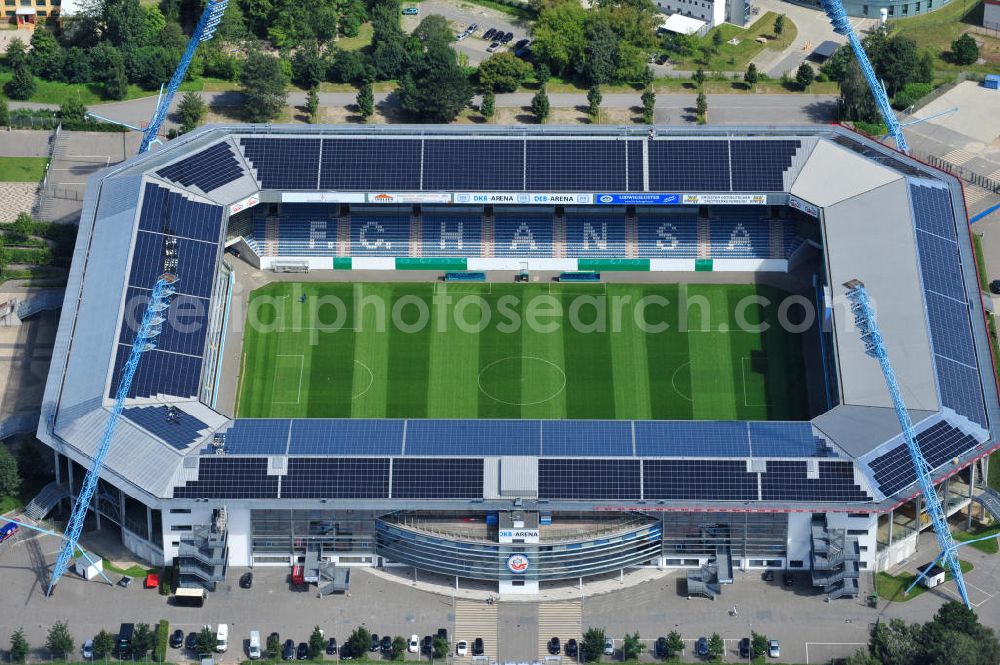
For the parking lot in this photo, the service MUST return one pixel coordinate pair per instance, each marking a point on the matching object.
(809, 629)
(461, 15)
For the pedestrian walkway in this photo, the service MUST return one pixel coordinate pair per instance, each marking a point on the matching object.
(15, 198)
(563, 620)
(476, 618)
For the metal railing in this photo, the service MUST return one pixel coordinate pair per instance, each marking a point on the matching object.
(969, 176)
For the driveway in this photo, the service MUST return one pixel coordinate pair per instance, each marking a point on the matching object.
(461, 15)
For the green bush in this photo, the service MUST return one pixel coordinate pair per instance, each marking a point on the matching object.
(162, 637)
(37, 257)
(911, 94)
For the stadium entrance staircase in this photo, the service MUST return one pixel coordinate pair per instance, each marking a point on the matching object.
(203, 557)
(835, 560)
(47, 499)
(990, 500)
(708, 580)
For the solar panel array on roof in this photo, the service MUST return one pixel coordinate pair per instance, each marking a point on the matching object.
(207, 170)
(636, 169)
(257, 436)
(230, 478)
(786, 439)
(492, 165)
(171, 213)
(376, 164)
(686, 165)
(589, 438)
(345, 437)
(588, 479)
(285, 163)
(787, 480)
(437, 478)
(893, 470)
(332, 478)
(472, 437)
(948, 311)
(178, 428)
(758, 165)
(698, 480)
(575, 166)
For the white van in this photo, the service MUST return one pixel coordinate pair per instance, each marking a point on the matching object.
(222, 638)
(254, 650)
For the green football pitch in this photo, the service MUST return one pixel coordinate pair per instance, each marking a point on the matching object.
(426, 350)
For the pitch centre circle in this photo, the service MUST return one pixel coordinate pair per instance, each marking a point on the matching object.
(522, 380)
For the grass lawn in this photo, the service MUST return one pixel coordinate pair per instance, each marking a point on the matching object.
(891, 587)
(22, 169)
(363, 39)
(54, 92)
(987, 546)
(447, 368)
(736, 58)
(131, 571)
(977, 245)
(938, 29)
(993, 479)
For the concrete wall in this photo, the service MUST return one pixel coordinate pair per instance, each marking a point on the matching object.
(868, 542)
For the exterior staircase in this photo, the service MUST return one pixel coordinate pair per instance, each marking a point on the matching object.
(203, 557)
(559, 233)
(47, 499)
(416, 233)
(704, 238)
(487, 237)
(777, 239)
(271, 229)
(344, 234)
(990, 500)
(333, 579)
(835, 560)
(631, 233)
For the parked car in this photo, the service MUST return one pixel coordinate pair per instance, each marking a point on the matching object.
(507, 38)
(427, 645)
(472, 28)
(288, 650)
(461, 648)
(521, 43)
(88, 650)
(375, 642)
(788, 578)
(346, 653)
(253, 648)
(331, 646)
(246, 580)
(386, 644)
(413, 645)
(554, 646)
(177, 639)
(995, 286)
(191, 642)
(609, 647)
(125, 582)
(662, 59)
(745, 647)
(302, 652)
(571, 647)
(701, 647)
(774, 649)
(273, 638)
(477, 646)
(442, 633)
(411, 11)
(660, 647)
(492, 48)
(488, 35)
(768, 576)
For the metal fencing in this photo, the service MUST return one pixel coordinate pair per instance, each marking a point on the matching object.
(965, 174)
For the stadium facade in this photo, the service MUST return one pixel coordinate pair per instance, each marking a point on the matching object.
(523, 502)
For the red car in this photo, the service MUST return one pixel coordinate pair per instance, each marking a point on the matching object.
(152, 581)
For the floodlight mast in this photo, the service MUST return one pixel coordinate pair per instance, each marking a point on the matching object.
(842, 26)
(864, 318)
(145, 340)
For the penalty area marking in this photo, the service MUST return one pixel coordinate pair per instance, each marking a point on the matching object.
(479, 381)
(277, 366)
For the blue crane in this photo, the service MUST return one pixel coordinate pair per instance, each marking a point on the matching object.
(145, 340)
(864, 318)
(842, 26)
(207, 24)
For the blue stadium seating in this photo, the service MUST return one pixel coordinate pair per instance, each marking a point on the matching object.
(308, 230)
(522, 232)
(174, 426)
(740, 232)
(594, 233)
(452, 232)
(380, 231)
(668, 233)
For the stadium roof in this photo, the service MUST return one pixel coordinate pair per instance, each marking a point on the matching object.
(889, 220)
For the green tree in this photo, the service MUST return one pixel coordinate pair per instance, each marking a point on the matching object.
(4, 113)
(312, 105)
(758, 644)
(779, 25)
(10, 478)
(893, 643)
(398, 650)
(701, 105)
(59, 642)
(264, 87)
(22, 82)
(47, 58)
(594, 98)
(109, 70)
(540, 105)
(559, 37)
(592, 644)
(365, 100)
(316, 642)
(675, 644)
(436, 89)
(153, 24)
(104, 644)
(716, 40)
(441, 647)
(965, 50)
(648, 105)
(73, 110)
(856, 101)
(190, 110)
(19, 647)
(273, 647)
(632, 646)
(488, 106)
(716, 647)
(646, 78)
(345, 67)
(17, 52)
(699, 77)
(359, 641)
(751, 76)
(308, 66)
(434, 27)
(207, 641)
(542, 73)
(124, 22)
(805, 76)
(143, 641)
(503, 72)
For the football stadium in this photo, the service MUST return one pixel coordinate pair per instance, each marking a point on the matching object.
(520, 357)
